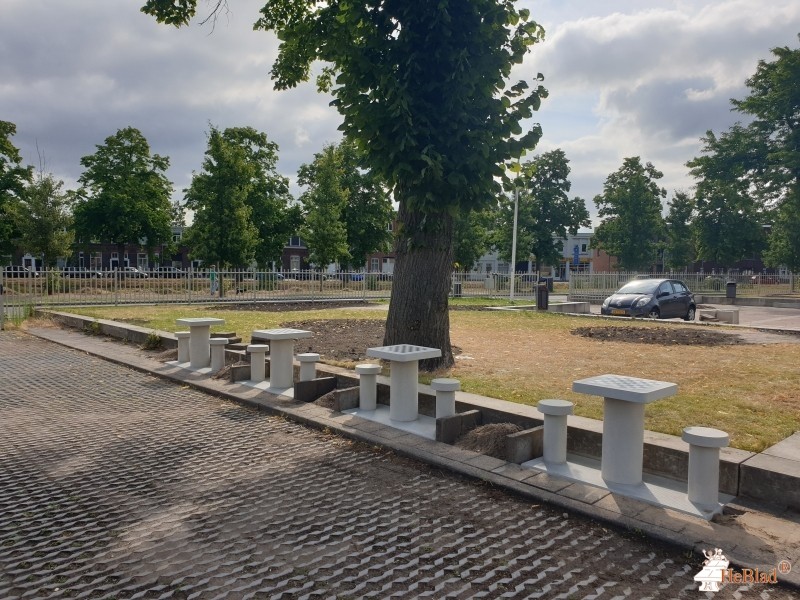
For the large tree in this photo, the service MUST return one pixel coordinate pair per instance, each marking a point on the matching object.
(273, 213)
(546, 213)
(125, 194)
(421, 87)
(13, 178)
(323, 203)
(44, 219)
(729, 195)
(222, 231)
(630, 207)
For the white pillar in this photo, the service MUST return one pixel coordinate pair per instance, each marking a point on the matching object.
(623, 441)
(308, 365)
(183, 346)
(218, 353)
(445, 396)
(368, 385)
(281, 355)
(704, 444)
(555, 429)
(199, 347)
(257, 361)
(403, 399)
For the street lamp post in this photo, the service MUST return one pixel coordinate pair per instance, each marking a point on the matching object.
(514, 243)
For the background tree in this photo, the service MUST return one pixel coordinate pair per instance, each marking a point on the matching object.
(13, 177)
(472, 237)
(630, 205)
(273, 213)
(222, 231)
(44, 219)
(125, 194)
(421, 87)
(546, 213)
(679, 245)
(729, 196)
(323, 230)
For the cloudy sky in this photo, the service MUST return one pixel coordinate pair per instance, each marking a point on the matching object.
(626, 78)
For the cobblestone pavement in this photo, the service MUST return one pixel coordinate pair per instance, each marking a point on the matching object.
(116, 484)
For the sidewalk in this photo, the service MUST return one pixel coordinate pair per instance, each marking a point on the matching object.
(749, 535)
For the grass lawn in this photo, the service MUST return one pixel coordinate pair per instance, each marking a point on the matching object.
(752, 391)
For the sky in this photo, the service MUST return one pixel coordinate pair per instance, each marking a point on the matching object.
(625, 78)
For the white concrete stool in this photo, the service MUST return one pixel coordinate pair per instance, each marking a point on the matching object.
(554, 442)
(445, 396)
(258, 353)
(218, 353)
(704, 444)
(308, 365)
(183, 346)
(368, 385)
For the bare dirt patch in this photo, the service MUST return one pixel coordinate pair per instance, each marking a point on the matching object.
(665, 336)
(340, 339)
(293, 306)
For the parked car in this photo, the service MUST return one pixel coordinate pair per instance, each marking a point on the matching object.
(653, 298)
(171, 272)
(81, 273)
(133, 272)
(19, 271)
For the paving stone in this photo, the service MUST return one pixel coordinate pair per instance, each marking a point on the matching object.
(117, 484)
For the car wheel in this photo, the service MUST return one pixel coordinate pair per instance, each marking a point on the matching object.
(654, 313)
(690, 314)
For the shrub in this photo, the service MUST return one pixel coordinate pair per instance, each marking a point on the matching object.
(152, 342)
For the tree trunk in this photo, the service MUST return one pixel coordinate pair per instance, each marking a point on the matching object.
(418, 312)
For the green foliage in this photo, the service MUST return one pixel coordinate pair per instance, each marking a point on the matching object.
(371, 283)
(679, 246)
(93, 328)
(323, 231)
(125, 196)
(13, 177)
(44, 219)
(471, 236)
(630, 205)
(222, 231)
(546, 213)
(728, 218)
(153, 341)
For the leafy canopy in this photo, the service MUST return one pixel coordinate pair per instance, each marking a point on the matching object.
(125, 194)
(44, 219)
(630, 207)
(13, 177)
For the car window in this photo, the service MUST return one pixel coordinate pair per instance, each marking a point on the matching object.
(679, 287)
(643, 286)
(665, 287)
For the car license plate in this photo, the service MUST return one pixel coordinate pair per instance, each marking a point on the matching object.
(618, 311)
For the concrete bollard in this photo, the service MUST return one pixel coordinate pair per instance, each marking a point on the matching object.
(308, 365)
(218, 353)
(258, 353)
(704, 444)
(554, 443)
(445, 396)
(368, 385)
(183, 346)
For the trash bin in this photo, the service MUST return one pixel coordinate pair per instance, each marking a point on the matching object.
(730, 289)
(542, 296)
(456, 289)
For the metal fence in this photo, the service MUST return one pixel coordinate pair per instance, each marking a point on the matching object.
(595, 287)
(73, 288)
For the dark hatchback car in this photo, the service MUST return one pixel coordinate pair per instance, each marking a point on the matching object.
(652, 298)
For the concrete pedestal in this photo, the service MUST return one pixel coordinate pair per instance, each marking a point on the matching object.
(183, 346)
(281, 354)
(445, 396)
(554, 442)
(368, 385)
(308, 365)
(403, 396)
(258, 353)
(218, 353)
(199, 336)
(704, 444)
